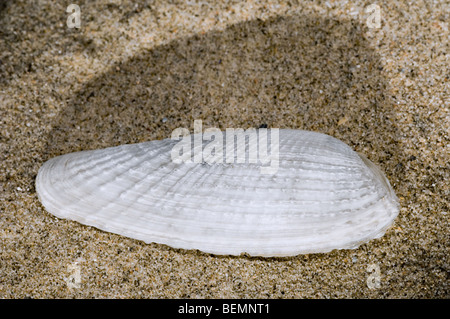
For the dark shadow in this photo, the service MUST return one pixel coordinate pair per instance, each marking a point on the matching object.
(302, 72)
(3, 5)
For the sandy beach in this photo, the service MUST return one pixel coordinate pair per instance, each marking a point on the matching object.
(134, 71)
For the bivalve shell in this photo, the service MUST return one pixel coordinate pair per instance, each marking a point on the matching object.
(320, 195)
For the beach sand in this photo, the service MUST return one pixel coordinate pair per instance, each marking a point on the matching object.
(135, 71)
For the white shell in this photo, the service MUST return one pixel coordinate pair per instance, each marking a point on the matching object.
(324, 196)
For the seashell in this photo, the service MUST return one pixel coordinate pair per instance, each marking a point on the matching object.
(320, 196)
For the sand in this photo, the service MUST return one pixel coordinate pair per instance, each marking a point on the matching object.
(135, 71)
